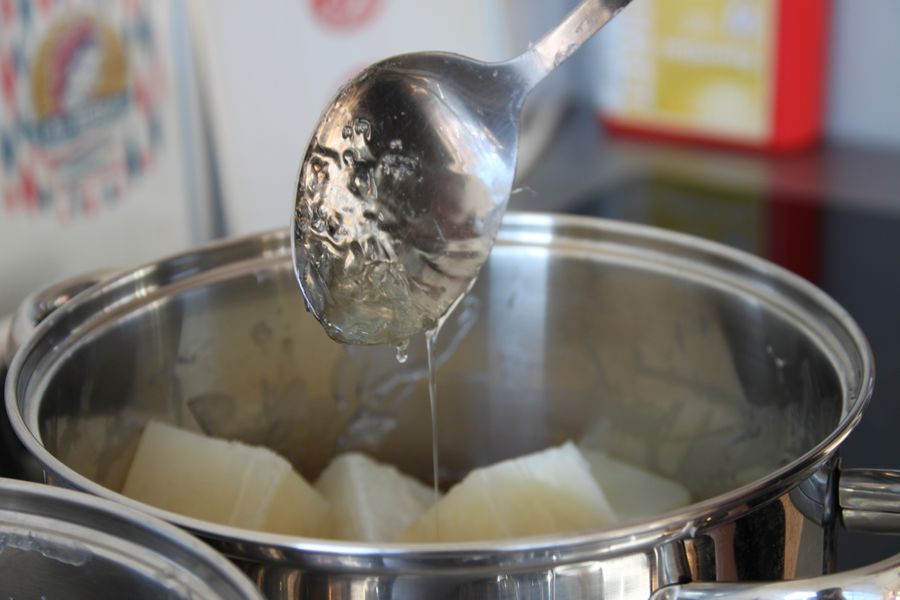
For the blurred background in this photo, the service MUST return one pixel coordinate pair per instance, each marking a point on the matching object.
(130, 129)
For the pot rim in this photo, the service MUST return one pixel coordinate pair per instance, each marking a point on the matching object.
(518, 229)
(72, 517)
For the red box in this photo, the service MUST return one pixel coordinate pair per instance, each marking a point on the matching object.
(798, 72)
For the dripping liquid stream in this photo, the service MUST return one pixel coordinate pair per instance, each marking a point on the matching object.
(430, 338)
(466, 318)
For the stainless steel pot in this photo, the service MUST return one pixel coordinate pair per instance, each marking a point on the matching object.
(57, 543)
(691, 359)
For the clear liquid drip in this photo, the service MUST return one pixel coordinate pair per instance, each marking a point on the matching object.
(403, 352)
(430, 339)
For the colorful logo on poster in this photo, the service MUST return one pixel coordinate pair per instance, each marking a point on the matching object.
(78, 79)
(79, 119)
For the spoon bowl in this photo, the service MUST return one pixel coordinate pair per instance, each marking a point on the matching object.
(395, 218)
(406, 179)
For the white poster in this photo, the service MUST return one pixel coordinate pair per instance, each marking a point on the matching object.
(99, 151)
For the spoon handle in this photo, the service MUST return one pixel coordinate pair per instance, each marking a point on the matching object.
(560, 43)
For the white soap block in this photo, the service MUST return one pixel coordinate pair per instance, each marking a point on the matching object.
(223, 481)
(371, 501)
(635, 493)
(551, 491)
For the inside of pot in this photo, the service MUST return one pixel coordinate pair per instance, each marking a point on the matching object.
(690, 379)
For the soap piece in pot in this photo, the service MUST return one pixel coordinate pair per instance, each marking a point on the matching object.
(223, 481)
(547, 492)
(371, 501)
(634, 493)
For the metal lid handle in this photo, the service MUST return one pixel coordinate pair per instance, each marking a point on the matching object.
(870, 500)
(881, 580)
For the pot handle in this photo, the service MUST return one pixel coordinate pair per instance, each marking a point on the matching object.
(38, 305)
(870, 502)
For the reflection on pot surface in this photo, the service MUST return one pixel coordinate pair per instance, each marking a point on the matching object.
(697, 363)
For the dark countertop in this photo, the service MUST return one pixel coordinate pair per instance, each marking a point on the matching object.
(832, 215)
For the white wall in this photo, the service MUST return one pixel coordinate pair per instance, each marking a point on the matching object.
(864, 90)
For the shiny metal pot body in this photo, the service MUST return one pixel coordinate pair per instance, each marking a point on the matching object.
(57, 543)
(695, 361)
